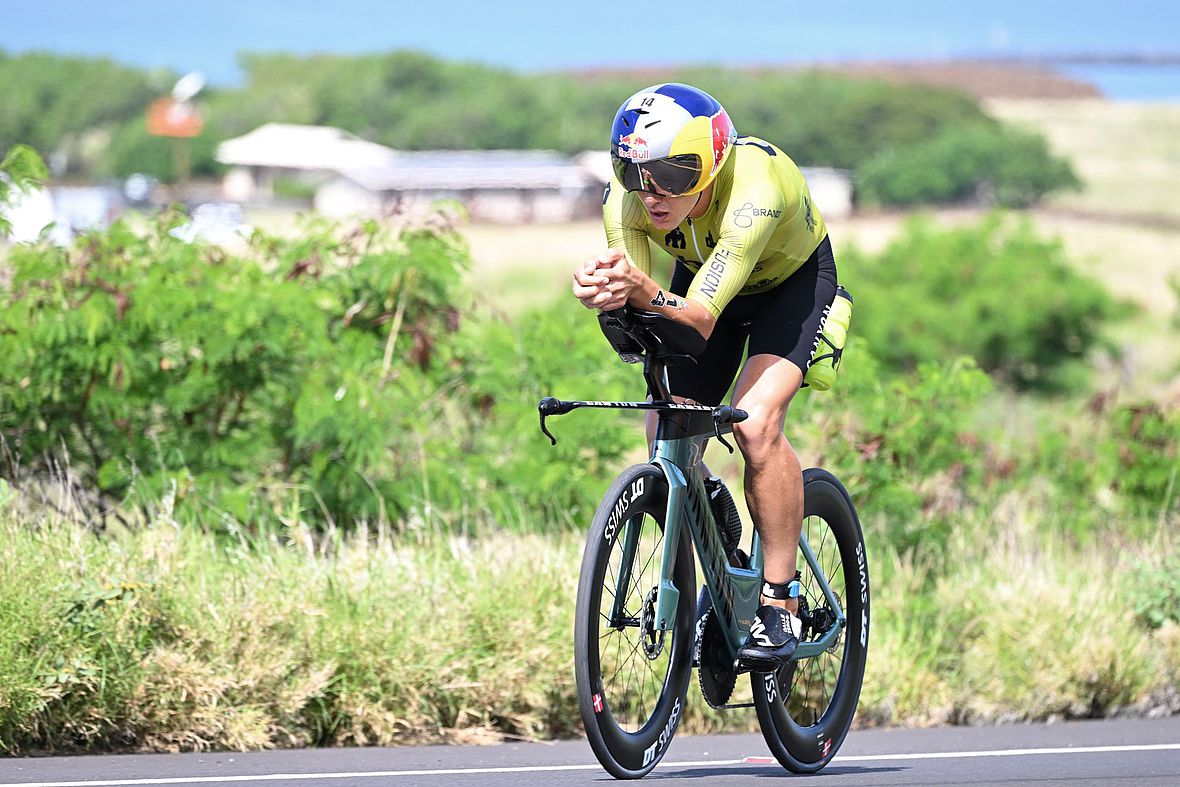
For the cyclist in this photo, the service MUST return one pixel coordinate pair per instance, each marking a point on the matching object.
(754, 271)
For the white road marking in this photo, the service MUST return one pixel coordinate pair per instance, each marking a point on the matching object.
(272, 777)
(956, 755)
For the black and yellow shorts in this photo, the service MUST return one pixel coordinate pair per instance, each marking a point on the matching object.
(784, 321)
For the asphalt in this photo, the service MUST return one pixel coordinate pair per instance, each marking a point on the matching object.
(1077, 754)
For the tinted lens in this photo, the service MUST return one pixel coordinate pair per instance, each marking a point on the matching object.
(674, 175)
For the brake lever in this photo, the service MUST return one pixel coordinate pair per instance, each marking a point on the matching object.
(546, 432)
(717, 430)
(726, 415)
(551, 406)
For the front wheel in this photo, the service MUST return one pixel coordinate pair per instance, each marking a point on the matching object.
(806, 708)
(632, 674)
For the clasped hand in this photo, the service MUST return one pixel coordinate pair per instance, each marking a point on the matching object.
(606, 282)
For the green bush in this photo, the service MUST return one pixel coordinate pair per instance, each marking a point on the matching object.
(1157, 592)
(979, 162)
(1125, 460)
(996, 292)
(133, 150)
(1145, 441)
(556, 350)
(904, 444)
(148, 361)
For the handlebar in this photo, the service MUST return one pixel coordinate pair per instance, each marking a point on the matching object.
(723, 415)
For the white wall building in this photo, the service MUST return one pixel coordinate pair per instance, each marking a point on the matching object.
(352, 176)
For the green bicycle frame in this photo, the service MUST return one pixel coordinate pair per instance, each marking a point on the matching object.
(679, 448)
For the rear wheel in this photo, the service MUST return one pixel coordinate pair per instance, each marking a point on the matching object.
(806, 708)
(632, 675)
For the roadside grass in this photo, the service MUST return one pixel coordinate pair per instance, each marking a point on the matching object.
(162, 638)
(1028, 625)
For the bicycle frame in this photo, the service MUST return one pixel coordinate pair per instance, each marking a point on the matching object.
(735, 591)
(681, 434)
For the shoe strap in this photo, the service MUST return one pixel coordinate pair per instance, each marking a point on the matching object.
(783, 591)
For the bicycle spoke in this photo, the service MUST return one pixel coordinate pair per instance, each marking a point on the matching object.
(633, 677)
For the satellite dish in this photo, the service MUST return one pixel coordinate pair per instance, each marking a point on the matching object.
(188, 86)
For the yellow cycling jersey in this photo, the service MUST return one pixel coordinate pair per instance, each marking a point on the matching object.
(761, 226)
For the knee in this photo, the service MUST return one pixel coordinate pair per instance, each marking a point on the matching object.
(758, 434)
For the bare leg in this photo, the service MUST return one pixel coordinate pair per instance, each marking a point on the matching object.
(774, 479)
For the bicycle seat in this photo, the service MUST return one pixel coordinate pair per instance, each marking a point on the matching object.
(633, 333)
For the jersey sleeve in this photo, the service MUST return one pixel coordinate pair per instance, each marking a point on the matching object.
(748, 219)
(625, 222)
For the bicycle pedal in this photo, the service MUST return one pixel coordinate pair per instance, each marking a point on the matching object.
(758, 667)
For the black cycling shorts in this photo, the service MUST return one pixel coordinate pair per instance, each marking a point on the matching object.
(784, 321)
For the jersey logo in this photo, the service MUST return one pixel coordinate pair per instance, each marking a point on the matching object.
(810, 218)
(675, 239)
(744, 216)
(713, 274)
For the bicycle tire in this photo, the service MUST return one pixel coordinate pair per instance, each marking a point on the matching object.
(806, 708)
(613, 669)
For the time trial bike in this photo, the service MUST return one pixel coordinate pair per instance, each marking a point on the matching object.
(640, 629)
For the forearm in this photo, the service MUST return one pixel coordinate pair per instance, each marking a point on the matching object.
(649, 296)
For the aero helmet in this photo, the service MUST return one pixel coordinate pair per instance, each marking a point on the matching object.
(672, 136)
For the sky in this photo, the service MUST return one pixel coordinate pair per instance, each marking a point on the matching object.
(206, 35)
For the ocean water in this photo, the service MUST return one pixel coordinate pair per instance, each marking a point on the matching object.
(1122, 82)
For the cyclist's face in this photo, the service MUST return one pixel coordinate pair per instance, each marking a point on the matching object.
(667, 211)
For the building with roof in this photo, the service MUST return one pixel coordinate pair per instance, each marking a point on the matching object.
(347, 175)
(493, 185)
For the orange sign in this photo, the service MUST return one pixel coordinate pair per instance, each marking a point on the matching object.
(167, 117)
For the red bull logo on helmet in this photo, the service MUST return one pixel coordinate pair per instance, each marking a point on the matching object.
(634, 148)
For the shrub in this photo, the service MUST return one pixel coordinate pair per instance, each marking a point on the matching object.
(328, 378)
(904, 445)
(142, 357)
(557, 350)
(995, 292)
(1157, 596)
(1125, 460)
(996, 166)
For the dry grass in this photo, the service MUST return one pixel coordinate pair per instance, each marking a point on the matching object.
(1014, 630)
(1127, 153)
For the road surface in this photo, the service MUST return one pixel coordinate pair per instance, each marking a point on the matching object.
(1144, 753)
